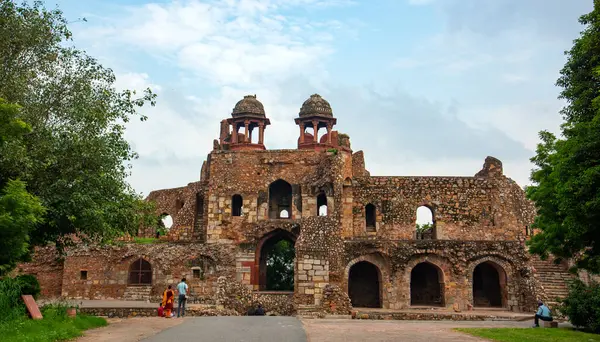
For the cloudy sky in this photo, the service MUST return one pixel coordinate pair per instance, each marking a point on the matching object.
(424, 87)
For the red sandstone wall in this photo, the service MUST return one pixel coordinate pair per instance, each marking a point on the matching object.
(47, 266)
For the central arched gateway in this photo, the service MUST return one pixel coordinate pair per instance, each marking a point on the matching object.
(426, 285)
(364, 285)
(274, 262)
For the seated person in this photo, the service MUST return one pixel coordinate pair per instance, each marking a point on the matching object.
(543, 313)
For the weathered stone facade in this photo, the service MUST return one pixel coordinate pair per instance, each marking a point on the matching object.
(364, 248)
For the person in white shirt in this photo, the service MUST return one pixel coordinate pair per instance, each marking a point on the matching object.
(182, 289)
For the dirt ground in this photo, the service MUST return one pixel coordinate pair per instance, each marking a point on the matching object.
(130, 329)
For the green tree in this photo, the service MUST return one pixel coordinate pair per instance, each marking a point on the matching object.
(566, 179)
(20, 211)
(75, 159)
(280, 266)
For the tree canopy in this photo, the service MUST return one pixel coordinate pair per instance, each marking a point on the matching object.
(566, 188)
(74, 157)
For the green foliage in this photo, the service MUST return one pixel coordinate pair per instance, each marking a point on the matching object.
(582, 305)
(531, 335)
(421, 228)
(566, 179)
(29, 285)
(280, 266)
(333, 150)
(11, 305)
(146, 241)
(20, 213)
(74, 156)
(55, 326)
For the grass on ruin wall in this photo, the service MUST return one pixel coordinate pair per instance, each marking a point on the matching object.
(531, 334)
(55, 326)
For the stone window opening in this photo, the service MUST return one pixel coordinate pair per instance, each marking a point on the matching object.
(489, 286)
(425, 225)
(197, 273)
(179, 204)
(280, 200)
(322, 204)
(166, 220)
(236, 205)
(370, 217)
(364, 285)
(83, 275)
(426, 285)
(140, 272)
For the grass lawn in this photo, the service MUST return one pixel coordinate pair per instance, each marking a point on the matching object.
(50, 329)
(531, 334)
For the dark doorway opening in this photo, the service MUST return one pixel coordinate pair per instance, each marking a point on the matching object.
(489, 282)
(426, 285)
(364, 285)
(276, 261)
(236, 205)
(140, 273)
(280, 199)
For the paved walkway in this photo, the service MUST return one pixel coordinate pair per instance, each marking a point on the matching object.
(249, 329)
(230, 329)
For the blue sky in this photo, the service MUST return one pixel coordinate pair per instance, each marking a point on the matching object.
(424, 87)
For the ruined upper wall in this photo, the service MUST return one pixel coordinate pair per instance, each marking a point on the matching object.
(488, 206)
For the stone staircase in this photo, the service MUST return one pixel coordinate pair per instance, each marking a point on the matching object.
(137, 293)
(553, 278)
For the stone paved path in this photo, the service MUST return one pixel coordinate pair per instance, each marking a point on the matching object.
(288, 329)
(230, 329)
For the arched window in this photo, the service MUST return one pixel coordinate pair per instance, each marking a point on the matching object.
(236, 205)
(322, 204)
(370, 215)
(280, 199)
(166, 220)
(140, 272)
(425, 225)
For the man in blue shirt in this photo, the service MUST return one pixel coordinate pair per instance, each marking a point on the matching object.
(182, 289)
(543, 313)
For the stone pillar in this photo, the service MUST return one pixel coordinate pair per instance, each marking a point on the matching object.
(247, 133)
(329, 133)
(302, 132)
(316, 131)
(234, 134)
(261, 133)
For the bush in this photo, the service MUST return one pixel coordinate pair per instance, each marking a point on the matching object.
(11, 305)
(29, 285)
(582, 305)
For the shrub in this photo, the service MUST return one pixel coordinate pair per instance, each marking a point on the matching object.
(29, 285)
(11, 305)
(582, 305)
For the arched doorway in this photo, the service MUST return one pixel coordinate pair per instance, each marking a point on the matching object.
(276, 255)
(280, 199)
(489, 285)
(364, 285)
(426, 285)
(140, 272)
(236, 205)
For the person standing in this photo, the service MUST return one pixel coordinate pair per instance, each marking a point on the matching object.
(543, 313)
(167, 302)
(182, 289)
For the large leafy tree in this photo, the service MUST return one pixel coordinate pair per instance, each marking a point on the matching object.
(280, 266)
(75, 159)
(566, 179)
(20, 212)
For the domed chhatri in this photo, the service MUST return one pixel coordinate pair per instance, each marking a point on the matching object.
(316, 106)
(249, 105)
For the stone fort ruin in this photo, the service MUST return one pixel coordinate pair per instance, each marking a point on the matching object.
(354, 236)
